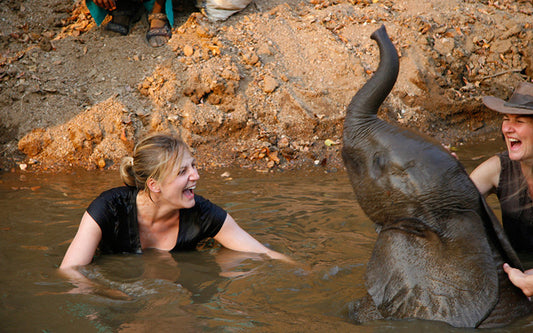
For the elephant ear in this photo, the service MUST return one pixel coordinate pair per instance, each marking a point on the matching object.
(447, 275)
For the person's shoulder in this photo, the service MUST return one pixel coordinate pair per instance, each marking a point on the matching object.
(492, 165)
(502, 155)
(496, 159)
(199, 199)
(118, 192)
(112, 199)
(203, 205)
(486, 176)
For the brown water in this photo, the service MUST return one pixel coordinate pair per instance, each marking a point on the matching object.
(311, 216)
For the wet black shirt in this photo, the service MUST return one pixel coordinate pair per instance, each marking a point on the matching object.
(115, 211)
(516, 204)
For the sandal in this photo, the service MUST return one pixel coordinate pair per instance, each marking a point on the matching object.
(157, 37)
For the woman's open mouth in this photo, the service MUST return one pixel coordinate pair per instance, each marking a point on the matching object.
(189, 191)
(514, 143)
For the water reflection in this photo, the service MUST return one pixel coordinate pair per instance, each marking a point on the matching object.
(309, 215)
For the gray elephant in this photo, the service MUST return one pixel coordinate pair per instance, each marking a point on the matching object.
(440, 249)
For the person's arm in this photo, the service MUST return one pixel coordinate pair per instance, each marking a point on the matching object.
(487, 175)
(523, 280)
(81, 250)
(235, 238)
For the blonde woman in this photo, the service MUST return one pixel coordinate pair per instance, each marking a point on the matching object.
(156, 209)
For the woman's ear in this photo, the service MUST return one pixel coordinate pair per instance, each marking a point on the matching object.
(153, 185)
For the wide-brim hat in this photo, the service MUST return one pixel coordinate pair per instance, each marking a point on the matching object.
(521, 102)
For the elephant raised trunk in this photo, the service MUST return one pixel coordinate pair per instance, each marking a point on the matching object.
(365, 104)
(440, 249)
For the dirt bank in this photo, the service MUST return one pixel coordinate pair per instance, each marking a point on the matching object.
(264, 89)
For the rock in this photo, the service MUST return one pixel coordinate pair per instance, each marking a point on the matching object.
(269, 84)
(101, 163)
(250, 58)
(188, 50)
(444, 46)
(283, 142)
(501, 46)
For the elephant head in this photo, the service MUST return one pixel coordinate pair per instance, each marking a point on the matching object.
(440, 249)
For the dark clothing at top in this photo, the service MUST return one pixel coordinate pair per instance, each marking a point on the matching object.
(115, 211)
(516, 204)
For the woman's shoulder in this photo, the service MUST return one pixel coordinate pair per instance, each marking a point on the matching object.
(490, 165)
(204, 208)
(118, 191)
(111, 203)
(117, 195)
(202, 204)
(486, 176)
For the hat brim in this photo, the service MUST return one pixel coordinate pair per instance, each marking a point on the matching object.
(497, 104)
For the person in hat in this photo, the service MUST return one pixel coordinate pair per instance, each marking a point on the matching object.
(157, 209)
(510, 175)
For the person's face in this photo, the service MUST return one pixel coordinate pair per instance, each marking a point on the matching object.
(178, 187)
(518, 133)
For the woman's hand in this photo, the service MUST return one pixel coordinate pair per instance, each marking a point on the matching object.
(449, 149)
(523, 280)
(84, 286)
(106, 4)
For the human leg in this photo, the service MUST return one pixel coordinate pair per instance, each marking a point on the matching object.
(127, 12)
(159, 31)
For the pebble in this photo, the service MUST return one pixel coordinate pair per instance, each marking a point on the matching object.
(283, 142)
(269, 84)
(251, 58)
(188, 50)
(101, 163)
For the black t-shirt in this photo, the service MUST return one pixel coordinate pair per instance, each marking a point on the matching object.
(516, 204)
(115, 211)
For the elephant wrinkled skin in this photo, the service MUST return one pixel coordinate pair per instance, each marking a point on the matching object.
(440, 249)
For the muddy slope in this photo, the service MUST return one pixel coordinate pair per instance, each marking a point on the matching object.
(265, 89)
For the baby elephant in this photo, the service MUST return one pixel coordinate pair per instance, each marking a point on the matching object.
(440, 249)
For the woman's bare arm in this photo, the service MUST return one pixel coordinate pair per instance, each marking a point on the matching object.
(83, 246)
(233, 237)
(81, 252)
(487, 175)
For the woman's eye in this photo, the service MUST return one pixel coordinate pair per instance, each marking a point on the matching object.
(182, 171)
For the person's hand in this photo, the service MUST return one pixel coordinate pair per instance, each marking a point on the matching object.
(520, 279)
(276, 255)
(449, 149)
(106, 4)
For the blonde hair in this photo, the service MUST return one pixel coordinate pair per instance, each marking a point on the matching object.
(155, 156)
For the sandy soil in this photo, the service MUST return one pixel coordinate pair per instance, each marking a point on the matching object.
(266, 88)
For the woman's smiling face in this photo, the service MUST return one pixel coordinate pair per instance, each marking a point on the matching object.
(518, 133)
(178, 187)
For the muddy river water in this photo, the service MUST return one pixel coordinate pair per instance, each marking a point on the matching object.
(309, 215)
